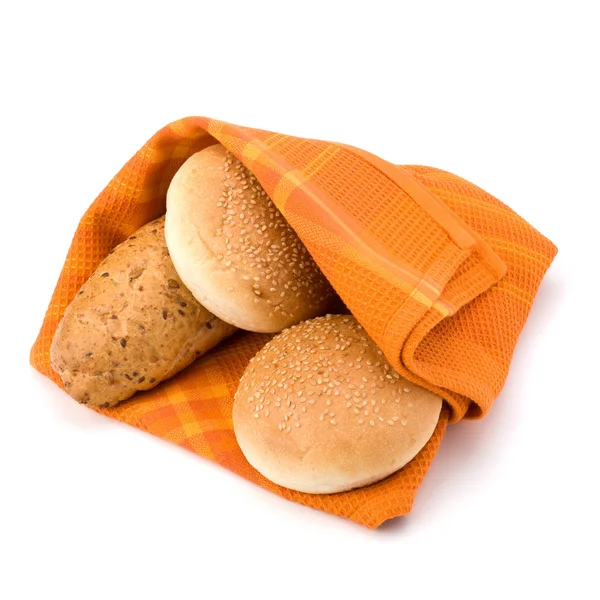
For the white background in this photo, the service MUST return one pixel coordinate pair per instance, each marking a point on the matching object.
(504, 96)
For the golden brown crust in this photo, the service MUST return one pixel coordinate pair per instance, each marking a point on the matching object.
(235, 251)
(320, 410)
(132, 324)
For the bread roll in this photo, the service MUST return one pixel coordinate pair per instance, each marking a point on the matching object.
(320, 410)
(132, 324)
(234, 250)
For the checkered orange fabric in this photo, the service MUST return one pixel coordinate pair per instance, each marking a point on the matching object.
(441, 274)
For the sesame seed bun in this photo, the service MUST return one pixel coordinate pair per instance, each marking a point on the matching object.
(234, 250)
(320, 410)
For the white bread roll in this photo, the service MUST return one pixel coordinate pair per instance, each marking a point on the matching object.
(234, 250)
(320, 410)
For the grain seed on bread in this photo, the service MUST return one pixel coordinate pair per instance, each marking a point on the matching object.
(132, 325)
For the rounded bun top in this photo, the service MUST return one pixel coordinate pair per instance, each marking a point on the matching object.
(234, 250)
(320, 410)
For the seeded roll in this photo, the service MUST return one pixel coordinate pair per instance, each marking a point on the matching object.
(132, 325)
(234, 250)
(320, 410)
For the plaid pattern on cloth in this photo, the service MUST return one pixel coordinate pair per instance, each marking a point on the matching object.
(441, 274)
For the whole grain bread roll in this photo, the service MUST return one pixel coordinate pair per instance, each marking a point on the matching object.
(132, 325)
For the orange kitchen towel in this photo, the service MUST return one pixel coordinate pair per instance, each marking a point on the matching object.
(440, 273)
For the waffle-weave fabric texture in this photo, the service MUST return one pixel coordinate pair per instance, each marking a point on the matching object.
(441, 274)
